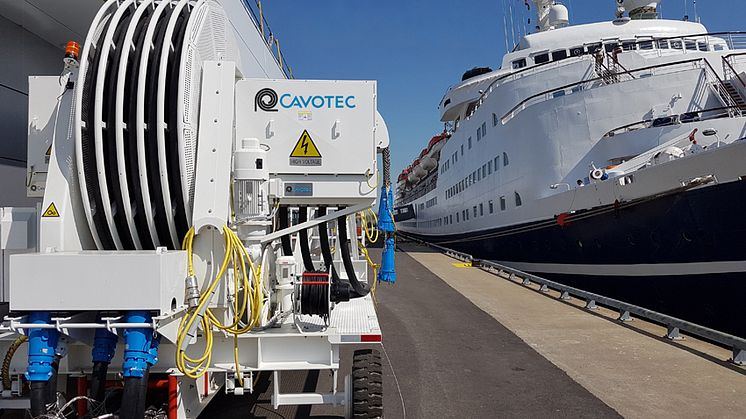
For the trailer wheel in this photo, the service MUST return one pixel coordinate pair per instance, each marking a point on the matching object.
(367, 384)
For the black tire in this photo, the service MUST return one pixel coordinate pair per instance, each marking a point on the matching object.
(367, 384)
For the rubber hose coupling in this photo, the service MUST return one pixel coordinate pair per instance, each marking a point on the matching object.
(104, 346)
(42, 344)
(141, 347)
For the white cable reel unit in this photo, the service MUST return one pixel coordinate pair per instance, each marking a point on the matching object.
(169, 147)
(142, 58)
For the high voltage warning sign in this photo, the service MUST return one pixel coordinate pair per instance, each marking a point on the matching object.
(51, 211)
(305, 152)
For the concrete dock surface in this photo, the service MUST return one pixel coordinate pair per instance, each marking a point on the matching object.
(463, 343)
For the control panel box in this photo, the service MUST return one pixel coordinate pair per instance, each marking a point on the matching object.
(310, 127)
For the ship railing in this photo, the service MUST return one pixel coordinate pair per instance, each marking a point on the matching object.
(734, 41)
(674, 326)
(270, 39)
(642, 72)
(731, 63)
(694, 116)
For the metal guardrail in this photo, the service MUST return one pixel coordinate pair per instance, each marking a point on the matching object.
(674, 325)
(257, 16)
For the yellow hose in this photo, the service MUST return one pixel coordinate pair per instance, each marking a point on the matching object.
(237, 258)
(9, 358)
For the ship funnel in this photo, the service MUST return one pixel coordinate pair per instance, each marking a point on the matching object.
(638, 9)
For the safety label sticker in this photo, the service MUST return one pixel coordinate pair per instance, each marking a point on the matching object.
(305, 152)
(51, 211)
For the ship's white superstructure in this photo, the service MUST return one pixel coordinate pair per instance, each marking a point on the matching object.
(578, 119)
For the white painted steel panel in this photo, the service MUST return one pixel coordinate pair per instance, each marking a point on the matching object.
(103, 280)
(342, 130)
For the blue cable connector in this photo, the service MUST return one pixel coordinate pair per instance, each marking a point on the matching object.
(141, 347)
(42, 345)
(104, 346)
(387, 273)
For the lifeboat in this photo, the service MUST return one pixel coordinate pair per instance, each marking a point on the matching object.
(436, 144)
(418, 168)
(415, 175)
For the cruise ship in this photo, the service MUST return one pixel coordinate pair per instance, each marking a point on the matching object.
(607, 156)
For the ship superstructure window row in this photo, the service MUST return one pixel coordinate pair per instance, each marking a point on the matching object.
(481, 173)
(641, 44)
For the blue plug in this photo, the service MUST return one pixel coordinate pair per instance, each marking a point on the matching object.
(42, 344)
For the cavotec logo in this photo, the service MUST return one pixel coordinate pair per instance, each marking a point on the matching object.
(267, 100)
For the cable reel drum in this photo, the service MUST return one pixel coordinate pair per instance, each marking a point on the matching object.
(136, 117)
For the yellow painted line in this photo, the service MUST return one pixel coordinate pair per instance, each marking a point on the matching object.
(462, 265)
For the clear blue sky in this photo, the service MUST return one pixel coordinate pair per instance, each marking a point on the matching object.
(416, 49)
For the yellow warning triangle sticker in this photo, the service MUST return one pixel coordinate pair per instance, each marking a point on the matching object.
(51, 211)
(305, 147)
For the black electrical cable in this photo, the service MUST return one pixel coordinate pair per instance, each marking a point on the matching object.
(133, 396)
(314, 299)
(287, 249)
(38, 398)
(326, 251)
(174, 153)
(87, 144)
(305, 251)
(108, 134)
(153, 171)
(98, 381)
(344, 243)
(44, 393)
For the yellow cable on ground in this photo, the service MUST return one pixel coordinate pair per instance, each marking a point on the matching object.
(247, 284)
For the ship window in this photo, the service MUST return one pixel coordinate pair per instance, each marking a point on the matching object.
(519, 63)
(629, 46)
(469, 141)
(690, 45)
(457, 218)
(703, 46)
(450, 219)
(462, 149)
(559, 55)
(541, 58)
(479, 175)
(489, 167)
(491, 206)
(479, 134)
(577, 51)
(484, 129)
(502, 203)
(494, 119)
(484, 170)
(594, 48)
(611, 46)
(497, 163)
(676, 44)
(662, 43)
(518, 201)
(505, 159)
(646, 44)
(558, 93)
(481, 209)
(719, 47)
(475, 211)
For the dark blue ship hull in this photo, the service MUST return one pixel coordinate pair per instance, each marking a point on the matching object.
(682, 253)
